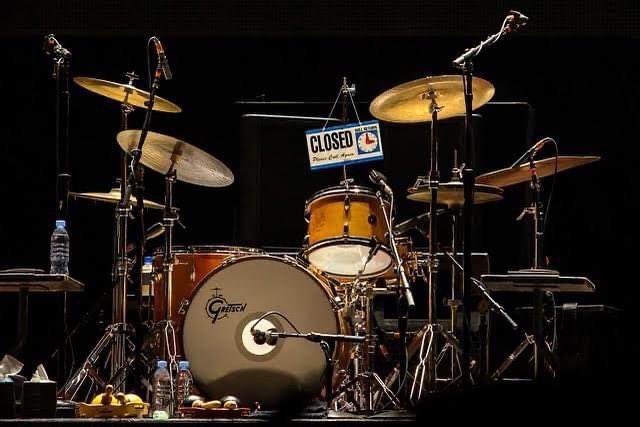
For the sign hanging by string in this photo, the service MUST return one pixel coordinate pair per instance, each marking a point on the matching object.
(344, 145)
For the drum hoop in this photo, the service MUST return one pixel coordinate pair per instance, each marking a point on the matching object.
(341, 240)
(210, 249)
(357, 190)
(236, 259)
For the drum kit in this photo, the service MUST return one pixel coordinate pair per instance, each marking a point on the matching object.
(227, 309)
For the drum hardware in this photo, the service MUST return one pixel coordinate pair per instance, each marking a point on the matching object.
(427, 100)
(115, 337)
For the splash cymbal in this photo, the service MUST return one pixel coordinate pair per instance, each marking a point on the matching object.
(125, 93)
(164, 153)
(411, 102)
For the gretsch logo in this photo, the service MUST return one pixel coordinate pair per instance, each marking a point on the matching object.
(219, 308)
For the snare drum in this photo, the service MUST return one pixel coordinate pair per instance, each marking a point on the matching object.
(191, 264)
(344, 226)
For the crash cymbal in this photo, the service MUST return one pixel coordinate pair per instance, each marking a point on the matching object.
(125, 93)
(410, 102)
(163, 153)
(546, 167)
(451, 194)
(113, 196)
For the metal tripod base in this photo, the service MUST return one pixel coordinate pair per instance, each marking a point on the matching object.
(363, 394)
(116, 335)
(528, 341)
(420, 378)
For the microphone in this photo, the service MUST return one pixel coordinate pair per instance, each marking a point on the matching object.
(530, 152)
(517, 20)
(259, 337)
(264, 337)
(378, 178)
(162, 59)
(51, 46)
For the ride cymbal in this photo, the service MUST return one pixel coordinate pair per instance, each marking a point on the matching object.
(113, 197)
(545, 167)
(164, 154)
(125, 94)
(411, 102)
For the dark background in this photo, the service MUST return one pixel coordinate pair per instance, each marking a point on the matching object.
(574, 63)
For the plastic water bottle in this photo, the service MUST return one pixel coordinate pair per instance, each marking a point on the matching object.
(146, 287)
(59, 254)
(185, 382)
(161, 407)
(147, 270)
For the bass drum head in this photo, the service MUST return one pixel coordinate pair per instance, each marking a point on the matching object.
(218, 343)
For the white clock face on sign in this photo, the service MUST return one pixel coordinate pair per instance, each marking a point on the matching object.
(368, 142)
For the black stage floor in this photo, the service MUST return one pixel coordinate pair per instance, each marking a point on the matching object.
(390, 418)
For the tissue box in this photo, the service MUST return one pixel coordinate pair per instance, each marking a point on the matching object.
(7, 398)
(39, 399)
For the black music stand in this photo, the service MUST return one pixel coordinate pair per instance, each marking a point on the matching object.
(24, 283)
(537, 284)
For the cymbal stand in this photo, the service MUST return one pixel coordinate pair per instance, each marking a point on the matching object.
(427, 362)
(117, 340)
(168, 333)
(542, 353)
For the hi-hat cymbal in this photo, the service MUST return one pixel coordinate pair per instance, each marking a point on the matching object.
(164, 153)
(451, 194)
(113, 196)
(546, 167)
(125, 93)
(411, 102)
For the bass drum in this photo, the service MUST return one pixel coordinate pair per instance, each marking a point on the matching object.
(218, 343)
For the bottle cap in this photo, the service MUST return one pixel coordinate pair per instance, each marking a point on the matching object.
(162, 364)
(60, 223)
(148, 259)
(184, 365)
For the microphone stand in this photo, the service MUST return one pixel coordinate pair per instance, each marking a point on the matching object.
(323, 340)
(465, 63)
(61, 69)
(61, 65)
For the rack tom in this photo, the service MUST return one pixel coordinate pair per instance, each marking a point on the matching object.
(345, 226)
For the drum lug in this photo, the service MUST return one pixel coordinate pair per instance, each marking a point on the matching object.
(184, 304)
(345, 229)
(307, 212)
(305, 241)
(372, 219)
(347, 203)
